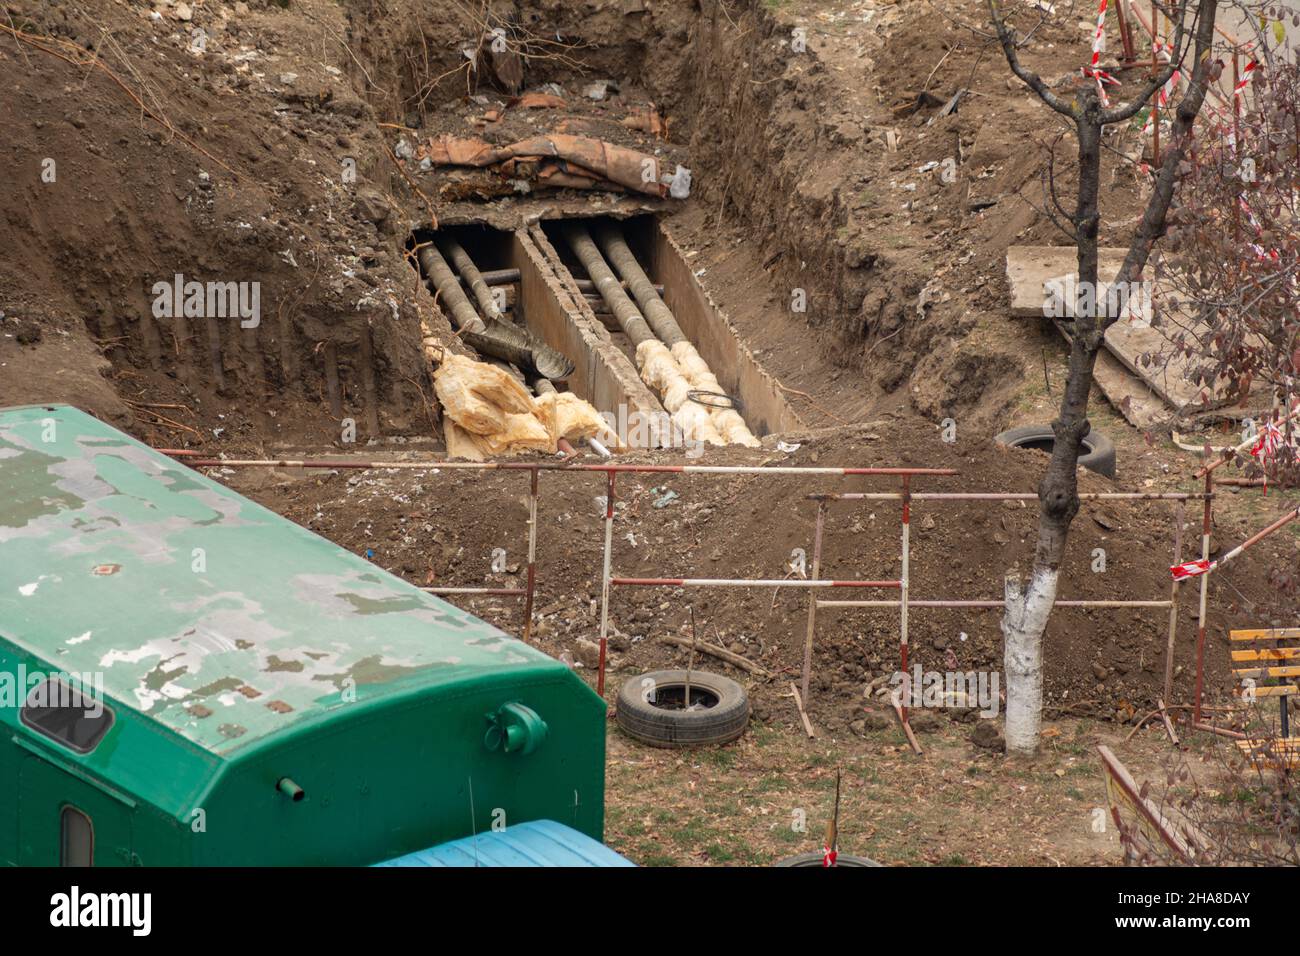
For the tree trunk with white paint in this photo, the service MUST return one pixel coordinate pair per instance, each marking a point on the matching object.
(1024, 620)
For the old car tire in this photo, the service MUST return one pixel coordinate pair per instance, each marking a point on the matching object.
(1099, 451)
(815, 859)
(720, 723)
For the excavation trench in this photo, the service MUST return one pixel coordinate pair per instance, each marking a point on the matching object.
(527, 300)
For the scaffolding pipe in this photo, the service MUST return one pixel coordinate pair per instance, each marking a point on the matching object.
(1001, 496)
(902, 592)
(748, 583)
(558, 466)
(605, 578)
(508, 592)
(532, 555)
(1179, 513)
(991, 604)
(812, 602)
(1208, 473)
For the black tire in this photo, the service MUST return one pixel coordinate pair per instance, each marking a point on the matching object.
(1099, 454)
(815, 859)
(659, 726)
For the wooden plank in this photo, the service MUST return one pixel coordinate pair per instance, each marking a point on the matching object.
(721, 653)
(1278, 745)
(1120, 787)
(1275, 690)
(1267, 654)
(1271, 755)
(907, 728)
(1265, 634)
(798, 702)
(1288, 671)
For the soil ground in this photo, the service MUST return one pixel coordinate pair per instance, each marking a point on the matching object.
(812, 172)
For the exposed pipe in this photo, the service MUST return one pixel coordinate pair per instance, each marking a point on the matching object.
(496, 337)
(459, 309)
(656, 364)
(470, 275)
(661, 319)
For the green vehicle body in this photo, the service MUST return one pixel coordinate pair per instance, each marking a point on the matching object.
(246, 662)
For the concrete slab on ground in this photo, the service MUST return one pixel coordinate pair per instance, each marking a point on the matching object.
(1034, 273)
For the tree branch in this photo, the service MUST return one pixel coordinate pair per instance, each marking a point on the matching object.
(1121, 113)
(1152, 224)
(1031, 79)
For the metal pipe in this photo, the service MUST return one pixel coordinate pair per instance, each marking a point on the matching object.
(989, 605)
(902, 592)
(747, 583)
(1001, 496)
(1205, 585)
(605, 578)
(459, 309)
(511, 592)
(1179, 510)
(290, 789)
(532, 555)
(629, 317)
(495, 277)
(471, 276)
(812, 601)
(558, 466)
(660, 318)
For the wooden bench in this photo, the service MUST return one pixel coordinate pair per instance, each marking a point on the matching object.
(1266, 662)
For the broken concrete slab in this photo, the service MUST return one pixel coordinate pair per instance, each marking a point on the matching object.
(1140, 407)
(1044, 280)
(1169, 375)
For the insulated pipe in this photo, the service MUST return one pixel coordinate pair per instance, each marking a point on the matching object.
(495, 277)
(655, 362)
(462, 314)
(496, 337)
(471, 276)
(730, 426)
(661, 319)
(630, 319)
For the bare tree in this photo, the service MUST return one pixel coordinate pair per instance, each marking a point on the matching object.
(1028, 606)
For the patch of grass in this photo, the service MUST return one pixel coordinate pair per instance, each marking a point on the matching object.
(720, 757)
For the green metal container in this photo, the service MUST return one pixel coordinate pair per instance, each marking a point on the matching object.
(268, 698)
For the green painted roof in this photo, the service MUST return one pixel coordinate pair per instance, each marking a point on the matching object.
(203, 611)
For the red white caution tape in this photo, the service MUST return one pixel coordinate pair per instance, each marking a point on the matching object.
(1190, 569)
(1245, 78)
(1270, 442)
(828, 856)
(1092, 69)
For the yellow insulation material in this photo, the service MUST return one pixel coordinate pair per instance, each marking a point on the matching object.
(490, 414)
